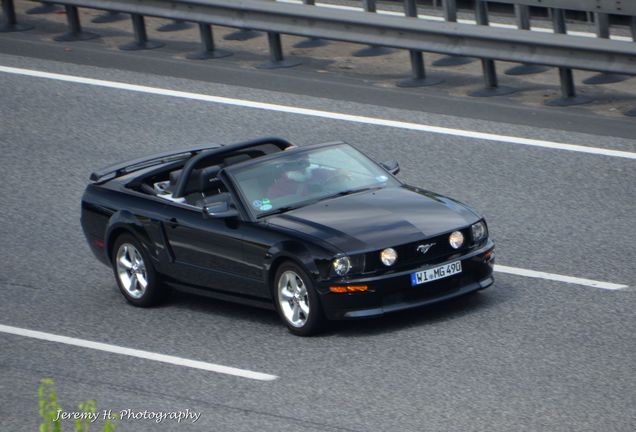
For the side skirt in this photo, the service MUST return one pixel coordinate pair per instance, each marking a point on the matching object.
(234, 298)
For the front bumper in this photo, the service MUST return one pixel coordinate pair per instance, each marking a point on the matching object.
(393, 291)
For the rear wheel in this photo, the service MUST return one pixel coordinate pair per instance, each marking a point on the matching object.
(135, 275)
(296, 300)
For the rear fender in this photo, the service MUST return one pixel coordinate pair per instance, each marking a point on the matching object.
(124, 221)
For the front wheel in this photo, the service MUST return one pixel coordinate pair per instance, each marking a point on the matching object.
(135, 275)
(296, 300)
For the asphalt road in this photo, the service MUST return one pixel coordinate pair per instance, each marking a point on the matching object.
(526, 354)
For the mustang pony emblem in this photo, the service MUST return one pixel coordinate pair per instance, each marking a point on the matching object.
(425, 248)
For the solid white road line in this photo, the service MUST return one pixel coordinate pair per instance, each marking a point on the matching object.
(461, 21)
(146, 355)
(558, 278)
(323, 114)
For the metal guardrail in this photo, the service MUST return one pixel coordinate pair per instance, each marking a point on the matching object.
(558, 49)
(616, 7)
(398, 32)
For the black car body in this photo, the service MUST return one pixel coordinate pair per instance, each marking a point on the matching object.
(199, 230)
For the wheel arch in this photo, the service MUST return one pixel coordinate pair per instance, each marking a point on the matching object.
(124, 222)
(297, 253)
(279, 261)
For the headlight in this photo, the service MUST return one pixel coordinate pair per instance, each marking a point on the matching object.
(456, 239)
(479, 231)
(341, 265)
(388, 256)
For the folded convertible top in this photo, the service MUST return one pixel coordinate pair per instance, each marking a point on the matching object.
(121, 168)
(126, 167)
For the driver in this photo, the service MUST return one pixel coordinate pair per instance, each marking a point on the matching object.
(294, 178)
(299, 177)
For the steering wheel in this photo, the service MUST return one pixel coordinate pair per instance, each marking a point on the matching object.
(336, 178)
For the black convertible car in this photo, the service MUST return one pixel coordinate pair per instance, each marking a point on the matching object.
(316, 232)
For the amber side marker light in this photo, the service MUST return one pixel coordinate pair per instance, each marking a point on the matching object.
(348, 288)
(489, 255)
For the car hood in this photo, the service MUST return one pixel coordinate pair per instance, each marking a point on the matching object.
(379, 218)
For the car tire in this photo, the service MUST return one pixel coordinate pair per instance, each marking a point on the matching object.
(296, 300)
(135, 275)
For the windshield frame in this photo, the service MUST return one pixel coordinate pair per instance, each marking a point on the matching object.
(254, 215)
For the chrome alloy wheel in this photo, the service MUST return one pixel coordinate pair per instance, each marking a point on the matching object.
(293, 298)
(131, 270)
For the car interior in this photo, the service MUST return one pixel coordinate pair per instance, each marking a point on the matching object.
(203, 186)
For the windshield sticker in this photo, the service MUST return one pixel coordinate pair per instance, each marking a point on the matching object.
(257, 204)
(265, 204)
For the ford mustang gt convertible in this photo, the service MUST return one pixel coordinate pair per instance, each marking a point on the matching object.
(317, 232)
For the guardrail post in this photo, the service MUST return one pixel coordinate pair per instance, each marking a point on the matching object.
(418, 72)
(9, 22)
(276, 59)
(371, 50)
(209, 51)
(109, 17)
(522, 16)
(450, 15)
(43, 9)
(603, 31)
(75, 32)
(175, 25)
(491, 84)
(311, 42)
(141, 41)
(632, 112)
(566, 78)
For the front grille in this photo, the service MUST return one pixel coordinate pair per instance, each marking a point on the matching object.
(409, 257)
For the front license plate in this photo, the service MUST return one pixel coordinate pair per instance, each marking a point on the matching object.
(435, 273)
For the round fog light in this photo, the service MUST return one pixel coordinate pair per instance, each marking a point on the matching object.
(388, 256)
(456, 239)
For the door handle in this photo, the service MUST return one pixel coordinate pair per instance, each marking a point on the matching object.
(173, 222)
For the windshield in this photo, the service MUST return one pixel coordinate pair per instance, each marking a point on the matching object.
(302, 177)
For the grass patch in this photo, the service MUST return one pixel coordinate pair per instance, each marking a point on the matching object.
(52, 413)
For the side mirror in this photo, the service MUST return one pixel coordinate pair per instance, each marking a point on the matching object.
(219, 210)
(391, 166)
